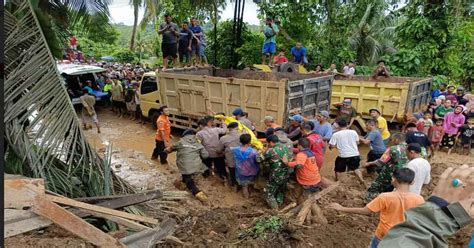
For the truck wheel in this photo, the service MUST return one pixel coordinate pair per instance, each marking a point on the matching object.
(153, 117)
(357, 129)
(287, 67)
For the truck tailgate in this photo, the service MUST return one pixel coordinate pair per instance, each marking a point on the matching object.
(309, 96)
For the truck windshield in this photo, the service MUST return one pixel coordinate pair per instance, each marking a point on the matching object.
(148, 85)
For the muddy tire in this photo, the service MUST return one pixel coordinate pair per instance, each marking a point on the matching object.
(287, 67)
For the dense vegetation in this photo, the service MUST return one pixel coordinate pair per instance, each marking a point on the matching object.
(416, 37)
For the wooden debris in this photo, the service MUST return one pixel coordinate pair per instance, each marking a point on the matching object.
(175, 241)
(20, 192)
(318, 216)
(124, 222)
(305, 207)
(148, 238)
(120, 201)
(98, 209)
(72, 223)
(21, 221)
(288, 207)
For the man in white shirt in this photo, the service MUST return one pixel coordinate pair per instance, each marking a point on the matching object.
(346, 141)
(420, 166)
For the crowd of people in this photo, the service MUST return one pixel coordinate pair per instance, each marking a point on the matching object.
(223, 146)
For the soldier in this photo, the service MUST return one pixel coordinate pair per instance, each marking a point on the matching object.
(279, 173)
(394, 158)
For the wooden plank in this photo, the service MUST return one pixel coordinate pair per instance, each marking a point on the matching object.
(306, 205)
(148, 238)
(120, 201)
(124, 222)
(63, 218)
(20, 192)
(21, 221)
(99, 209)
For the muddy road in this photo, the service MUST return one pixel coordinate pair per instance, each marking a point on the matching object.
(228, 214)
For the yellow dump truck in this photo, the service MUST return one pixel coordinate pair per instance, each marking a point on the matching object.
(191, 94)
(394, 96)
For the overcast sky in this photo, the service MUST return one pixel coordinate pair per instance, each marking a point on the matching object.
(121, 11)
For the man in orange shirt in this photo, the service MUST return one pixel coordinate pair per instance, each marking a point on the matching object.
(162, 136)
(391, 205)
(307, 172)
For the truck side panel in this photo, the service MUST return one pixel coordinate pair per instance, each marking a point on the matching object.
(309, 96)
(390, 98)
(191, 96)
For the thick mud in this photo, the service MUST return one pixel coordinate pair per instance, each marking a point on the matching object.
(222, 221)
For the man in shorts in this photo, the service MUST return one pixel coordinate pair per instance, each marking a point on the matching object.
(169, 45)
(346, 141)
(88, 110)
(184, 45)
(196, 40)
(269, 45)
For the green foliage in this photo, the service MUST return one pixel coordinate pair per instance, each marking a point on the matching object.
(249, 52)
(125, 56)
(95, 49)
(263, 226)
(225, 39)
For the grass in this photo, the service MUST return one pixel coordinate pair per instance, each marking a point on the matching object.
(264, 226)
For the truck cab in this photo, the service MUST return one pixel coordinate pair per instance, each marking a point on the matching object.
(150, 97)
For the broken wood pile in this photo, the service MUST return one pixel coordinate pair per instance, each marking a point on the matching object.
(309, 212)
(28, 207)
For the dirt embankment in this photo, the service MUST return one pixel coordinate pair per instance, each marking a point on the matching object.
(229, 214)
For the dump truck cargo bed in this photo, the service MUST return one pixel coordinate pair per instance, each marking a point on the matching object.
(191, 94)
(394, 96)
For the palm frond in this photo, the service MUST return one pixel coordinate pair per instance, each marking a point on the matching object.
(41, 126)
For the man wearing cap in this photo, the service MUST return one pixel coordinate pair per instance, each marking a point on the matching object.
(189, 156)
(420, 166)
(381, 124)
(294, 130)
(346, 111)
(240, 116)
(322, 126)
(226, 143)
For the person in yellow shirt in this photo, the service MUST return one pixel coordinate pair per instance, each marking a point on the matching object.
(381, 124)
(390, 205)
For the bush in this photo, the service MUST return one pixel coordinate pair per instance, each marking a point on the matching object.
(125, 56)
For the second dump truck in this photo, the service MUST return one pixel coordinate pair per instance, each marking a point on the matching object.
(192, 94)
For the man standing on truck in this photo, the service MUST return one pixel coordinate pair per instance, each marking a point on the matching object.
(269, 45)
(381, 70)
(162, 136)
(299, 54)
(346, 112)
(169, 46)
(381, 124)
(184, 45)
(196, 40)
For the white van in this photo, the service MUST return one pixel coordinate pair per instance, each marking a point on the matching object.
(74, 75)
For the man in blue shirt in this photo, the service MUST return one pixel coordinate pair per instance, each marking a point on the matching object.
(269, 45)
(439, 92)
(195, 44)
(375, 141)
(299, 54)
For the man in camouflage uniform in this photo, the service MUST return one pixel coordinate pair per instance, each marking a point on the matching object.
(274, 191)
(394, 158)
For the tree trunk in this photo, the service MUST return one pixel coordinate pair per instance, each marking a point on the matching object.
(134, 31)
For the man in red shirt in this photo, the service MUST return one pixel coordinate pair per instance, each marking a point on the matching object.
(280, 58)
(317, 143)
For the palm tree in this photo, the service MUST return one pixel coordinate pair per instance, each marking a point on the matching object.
(136, 4)
(372, 37)
(43, 137)
(58, 17)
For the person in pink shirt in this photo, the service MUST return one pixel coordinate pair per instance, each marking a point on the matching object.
(452, 122)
